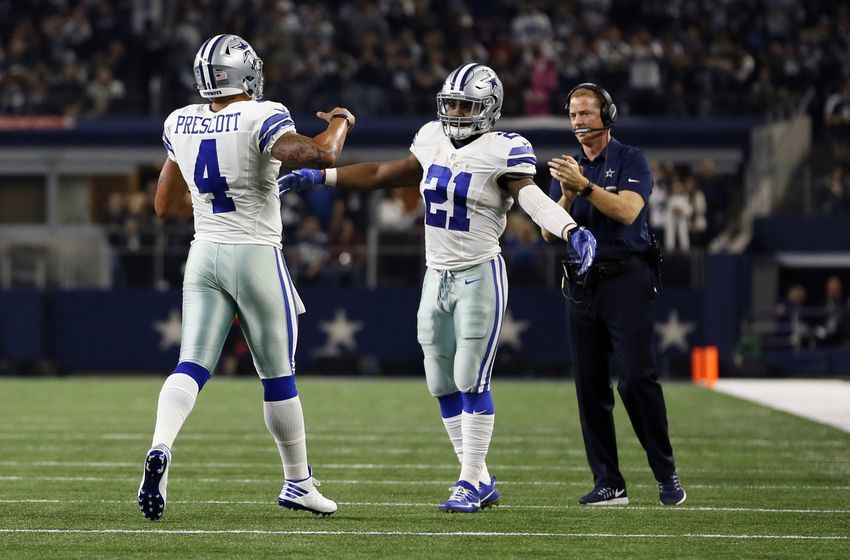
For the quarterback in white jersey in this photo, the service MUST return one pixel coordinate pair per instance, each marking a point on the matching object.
(223, 161)
(469, 177)
(224, 157)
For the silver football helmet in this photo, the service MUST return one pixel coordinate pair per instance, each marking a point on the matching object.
(227, 65)
(476, 85)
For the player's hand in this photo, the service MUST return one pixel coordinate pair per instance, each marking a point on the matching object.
(583, 245)
(349, 116)
(299, 180)
(567, 172)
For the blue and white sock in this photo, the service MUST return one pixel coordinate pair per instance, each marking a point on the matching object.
(477, 423)
(176, 400)
(451, 407)
(285, 420)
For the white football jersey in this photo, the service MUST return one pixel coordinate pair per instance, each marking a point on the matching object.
(465, 209)
(225, 157)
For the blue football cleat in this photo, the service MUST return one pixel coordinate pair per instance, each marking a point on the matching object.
(489, 494)
(302, 495)
(154, 482)
(670, 492)
(605, 496)
(463, 499)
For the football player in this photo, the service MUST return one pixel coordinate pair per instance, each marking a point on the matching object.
(469, 177)
(224, 158)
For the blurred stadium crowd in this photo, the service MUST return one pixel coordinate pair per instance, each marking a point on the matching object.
(388, 57)
(676, 58)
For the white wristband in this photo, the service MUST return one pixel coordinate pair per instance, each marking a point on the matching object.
(330, 176)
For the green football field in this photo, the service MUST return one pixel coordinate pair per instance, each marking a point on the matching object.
(761, 483)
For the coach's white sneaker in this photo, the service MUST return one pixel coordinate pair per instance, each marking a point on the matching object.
(302, 495)
(154, 482)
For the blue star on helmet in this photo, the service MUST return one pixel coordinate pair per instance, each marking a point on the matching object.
(494, 84)
(241, 45)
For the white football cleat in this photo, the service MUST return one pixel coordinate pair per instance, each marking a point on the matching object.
(154, 482)
(303, 495)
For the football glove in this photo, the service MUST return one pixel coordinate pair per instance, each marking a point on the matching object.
(299, 180)
(581, 248)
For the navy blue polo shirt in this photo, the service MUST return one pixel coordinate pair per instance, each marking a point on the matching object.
(618, 168)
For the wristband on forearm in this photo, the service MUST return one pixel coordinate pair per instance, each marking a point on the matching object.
(330, 176)
(588, 188)
(342, 116)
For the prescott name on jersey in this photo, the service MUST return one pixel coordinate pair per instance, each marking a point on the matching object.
(225, 158)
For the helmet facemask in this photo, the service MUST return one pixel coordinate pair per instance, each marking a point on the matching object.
(253, 85)
(474, 119)
(479, 92)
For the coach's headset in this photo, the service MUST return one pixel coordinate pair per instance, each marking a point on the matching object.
(607, 109)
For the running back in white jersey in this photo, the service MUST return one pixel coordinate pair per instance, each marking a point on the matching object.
(465, 209)
(225, 158)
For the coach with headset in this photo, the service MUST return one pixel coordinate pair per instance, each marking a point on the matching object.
(606, 188)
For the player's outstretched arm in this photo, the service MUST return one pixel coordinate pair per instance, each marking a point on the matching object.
(172, 199)
(544, 211)
(405, 172)
(564, 202)
(553, 218)
(295, 150)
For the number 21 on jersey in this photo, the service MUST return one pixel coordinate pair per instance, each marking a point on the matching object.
(458, 221)
(208, 178)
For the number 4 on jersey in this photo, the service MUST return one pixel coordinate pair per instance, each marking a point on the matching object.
(458, 221)
(208, 178)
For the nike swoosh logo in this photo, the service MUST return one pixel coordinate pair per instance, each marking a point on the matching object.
(468, 282)
(618, 493)
(633, 181)
(485, 412)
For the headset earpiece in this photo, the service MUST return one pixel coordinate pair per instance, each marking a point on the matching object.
(607, 108)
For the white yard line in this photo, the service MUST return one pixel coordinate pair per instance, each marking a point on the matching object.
(432, 534)
(826, 401)
(383, 482)
(554, 507)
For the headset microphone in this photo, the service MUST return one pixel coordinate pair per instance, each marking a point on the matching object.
(588, 129)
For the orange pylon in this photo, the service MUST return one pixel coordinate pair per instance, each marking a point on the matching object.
(705, 365)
